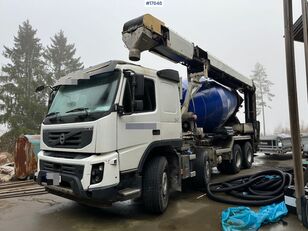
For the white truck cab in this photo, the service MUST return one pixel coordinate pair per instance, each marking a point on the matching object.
(95, 133)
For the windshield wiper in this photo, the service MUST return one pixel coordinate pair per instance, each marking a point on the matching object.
(78, 109)
(52, 113)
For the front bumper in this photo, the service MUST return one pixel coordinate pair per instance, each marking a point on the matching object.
(75, 176)
(73, 190)
(82, 167)
(274, 150)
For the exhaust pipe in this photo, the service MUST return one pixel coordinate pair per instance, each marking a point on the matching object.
(134, 54)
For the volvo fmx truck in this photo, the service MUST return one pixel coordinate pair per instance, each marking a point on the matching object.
(119, 131)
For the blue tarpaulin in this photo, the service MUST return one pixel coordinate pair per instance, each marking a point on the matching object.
(244, 218)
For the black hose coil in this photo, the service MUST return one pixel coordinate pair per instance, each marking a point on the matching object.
(258, 189)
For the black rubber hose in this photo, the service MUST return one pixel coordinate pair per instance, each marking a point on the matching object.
(262, 188)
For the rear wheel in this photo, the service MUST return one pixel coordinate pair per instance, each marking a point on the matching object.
(236, 162)
(233, 166)
(155, 189)
(247, 153)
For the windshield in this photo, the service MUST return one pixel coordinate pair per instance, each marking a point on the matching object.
(90, 95)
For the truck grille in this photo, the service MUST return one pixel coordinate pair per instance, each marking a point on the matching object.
(75, 170)
(69, 138)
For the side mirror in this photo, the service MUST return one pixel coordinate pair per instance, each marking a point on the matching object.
(40, 88)
(139, 88)
(119, 109)
(43, 87)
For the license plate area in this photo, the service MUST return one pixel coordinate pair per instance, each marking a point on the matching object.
(53, 178)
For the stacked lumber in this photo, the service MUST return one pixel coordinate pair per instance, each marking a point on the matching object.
(20, 189)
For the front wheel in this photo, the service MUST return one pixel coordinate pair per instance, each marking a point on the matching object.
(155, 189)
(203, 170)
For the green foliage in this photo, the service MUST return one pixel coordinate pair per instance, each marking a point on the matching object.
(29, 66)
(60, 56)
(21, 109)
(7, 141)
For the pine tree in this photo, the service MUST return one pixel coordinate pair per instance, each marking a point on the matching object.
(21, 109)
(60, 56)
(263, 92)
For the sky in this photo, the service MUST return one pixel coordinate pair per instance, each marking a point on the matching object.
(238, 32)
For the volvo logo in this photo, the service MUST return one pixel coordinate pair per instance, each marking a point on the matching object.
(62, 138)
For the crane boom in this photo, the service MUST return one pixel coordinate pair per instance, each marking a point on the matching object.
(149, 33)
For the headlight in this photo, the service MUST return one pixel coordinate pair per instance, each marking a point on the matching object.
(97, 173)
(280, 144)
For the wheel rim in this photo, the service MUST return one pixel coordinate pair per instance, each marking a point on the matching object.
(249, 155)
(164, 188)
(238, 159)
(207, 169)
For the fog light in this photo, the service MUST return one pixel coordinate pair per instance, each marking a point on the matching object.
(97, 173)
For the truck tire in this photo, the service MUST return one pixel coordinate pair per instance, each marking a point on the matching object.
(235, 165)
(223, 167)
(155, 188)
(247, 154)
(203, 171)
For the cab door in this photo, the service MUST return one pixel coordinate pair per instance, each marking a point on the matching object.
(137, 127)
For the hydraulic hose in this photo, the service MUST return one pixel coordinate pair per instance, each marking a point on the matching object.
(262, 188)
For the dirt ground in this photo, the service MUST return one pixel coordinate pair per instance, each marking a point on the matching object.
(187, 211)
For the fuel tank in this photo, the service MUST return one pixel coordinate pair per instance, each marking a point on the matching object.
(213, 104)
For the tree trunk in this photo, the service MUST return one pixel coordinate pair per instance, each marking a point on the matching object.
(264, 134)
(262, 103)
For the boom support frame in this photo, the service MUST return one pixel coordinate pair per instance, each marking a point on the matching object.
(147, 33)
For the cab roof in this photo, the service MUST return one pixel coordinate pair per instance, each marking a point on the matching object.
(72, 78)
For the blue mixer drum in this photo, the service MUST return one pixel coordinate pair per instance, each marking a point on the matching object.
(213, 104)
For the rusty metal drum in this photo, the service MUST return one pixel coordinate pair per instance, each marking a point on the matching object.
(25, 156)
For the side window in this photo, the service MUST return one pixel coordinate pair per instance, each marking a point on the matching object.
(148, 99)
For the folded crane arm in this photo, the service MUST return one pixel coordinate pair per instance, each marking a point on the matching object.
(147, 33)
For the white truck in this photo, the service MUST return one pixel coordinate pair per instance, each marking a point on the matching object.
(117, 130)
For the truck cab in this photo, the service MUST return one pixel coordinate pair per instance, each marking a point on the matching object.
(103, 124)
